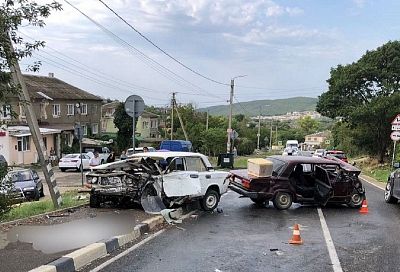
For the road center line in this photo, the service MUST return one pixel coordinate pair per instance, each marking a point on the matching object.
(126, 252)
(329, 243)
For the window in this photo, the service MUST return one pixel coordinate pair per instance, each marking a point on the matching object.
(153, 123)
(84, 109)
(23, 143)
(84, 128)
(195, 164)
(70, 109)
(45, 142)
(145, 124)
(6, 112)
(22, 111)
(95, 128)
(56, 110)
(94, 107)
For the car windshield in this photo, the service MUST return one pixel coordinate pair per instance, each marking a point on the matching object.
(338, 155)
(71, 156)
(19, 176)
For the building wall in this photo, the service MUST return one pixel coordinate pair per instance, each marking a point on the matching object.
(147, 127)
(108, 125)
(30, 156)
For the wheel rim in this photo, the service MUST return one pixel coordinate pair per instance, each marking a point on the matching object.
(387, 191)
(211, 200)
(356, 199)
(284, 200)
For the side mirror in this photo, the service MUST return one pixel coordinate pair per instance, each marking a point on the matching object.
(396, 165)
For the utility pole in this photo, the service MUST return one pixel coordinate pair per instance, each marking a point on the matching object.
(276, 134)
(172, 115)
(270, 138)
(228, 144)
(207, 120)
(259, 130)
(32, 123)
(181, 122)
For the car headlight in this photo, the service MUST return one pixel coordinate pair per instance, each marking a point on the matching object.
(28, 188)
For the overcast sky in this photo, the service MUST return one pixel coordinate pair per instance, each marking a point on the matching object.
(286, 48)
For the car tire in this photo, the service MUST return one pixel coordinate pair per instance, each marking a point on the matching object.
(210, 200)
(94, 201)
(389, 198)
(62, 169)
(282, 200)
(42, 192)
(356, 200)
(79, 168)
(258, 201)
(37, 195)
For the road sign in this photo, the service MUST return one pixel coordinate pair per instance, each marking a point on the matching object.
(396, 127)
(327, 142)
(78, 132)
(279, 143)
(396, 121)
(134, 106)
(395, 135)
(234, 135)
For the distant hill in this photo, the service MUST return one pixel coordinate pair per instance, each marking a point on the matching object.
(276, 107)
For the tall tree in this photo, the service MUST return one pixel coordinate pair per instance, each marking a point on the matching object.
(360, 93)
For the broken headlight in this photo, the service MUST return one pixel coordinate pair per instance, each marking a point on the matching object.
(111, 181)
(91, 180)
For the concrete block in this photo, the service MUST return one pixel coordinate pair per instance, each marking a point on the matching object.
(44, 268)
(87, 254)
(153, 222)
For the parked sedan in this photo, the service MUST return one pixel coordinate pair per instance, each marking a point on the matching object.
(301, 180)
(73, 161)
(25, 184)
(158, 180)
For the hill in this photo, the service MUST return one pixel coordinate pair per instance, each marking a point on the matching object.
(276, 106)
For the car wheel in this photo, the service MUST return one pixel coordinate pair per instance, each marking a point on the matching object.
(94, 201)
(283, 200)
(42, 192)
(356, 200)
(389, 198)
(258, 201)
(102, 162)
(62, 169)
(210, 201)
(79, 169)
(37, 195)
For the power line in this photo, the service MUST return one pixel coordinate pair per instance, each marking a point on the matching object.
(160, 49)
(140, 54)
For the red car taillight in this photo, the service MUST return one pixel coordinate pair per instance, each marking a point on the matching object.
(246, 183)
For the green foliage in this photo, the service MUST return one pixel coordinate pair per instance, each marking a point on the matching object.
(5, 186)
(213, 141)
(365, 95)
(124, 124)
(246, 146)
(308, 125)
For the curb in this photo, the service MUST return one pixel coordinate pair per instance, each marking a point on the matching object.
(84, 256)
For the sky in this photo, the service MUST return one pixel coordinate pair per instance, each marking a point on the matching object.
(284, 48)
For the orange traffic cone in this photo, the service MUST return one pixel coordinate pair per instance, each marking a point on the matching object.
(296, 239)
(364, 207)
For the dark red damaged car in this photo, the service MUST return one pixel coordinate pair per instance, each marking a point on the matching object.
(302, 180)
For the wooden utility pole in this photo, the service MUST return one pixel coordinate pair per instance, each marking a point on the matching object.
(259, 130)
(228, 144)
(180, 120)
(32, 122)
(172, 115)
(270, 138)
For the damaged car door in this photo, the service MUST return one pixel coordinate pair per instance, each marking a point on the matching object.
(323, 188)
(178, 182)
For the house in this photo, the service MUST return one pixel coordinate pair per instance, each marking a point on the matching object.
(316, 140)
(147, 126)
(107, 117)
(17, 147)
(58, 105)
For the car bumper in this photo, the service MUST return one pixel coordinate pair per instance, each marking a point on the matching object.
(244, 192)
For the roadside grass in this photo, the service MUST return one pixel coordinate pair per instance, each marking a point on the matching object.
(370, 167)
(380, 174)
(28, 209)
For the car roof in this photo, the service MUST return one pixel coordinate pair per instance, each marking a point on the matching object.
(335, 151)
(303, 159)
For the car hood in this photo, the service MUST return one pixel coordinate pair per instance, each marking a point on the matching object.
(24, 184)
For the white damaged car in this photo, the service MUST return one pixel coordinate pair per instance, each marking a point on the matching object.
(158, 180)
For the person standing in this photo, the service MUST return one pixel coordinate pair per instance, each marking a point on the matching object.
(96, 160)
(111, 157)
(123, 156)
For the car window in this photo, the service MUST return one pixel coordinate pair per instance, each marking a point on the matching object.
(71, 156)
(307, 168)
(195, 164)
(19, 176)
(176, 164)
(35, 175)
(277, 165)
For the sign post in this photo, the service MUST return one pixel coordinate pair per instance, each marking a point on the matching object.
(395, 135)
(134, 107)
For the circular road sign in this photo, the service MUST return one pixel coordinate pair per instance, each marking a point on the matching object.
(134, 106)
(395, 135)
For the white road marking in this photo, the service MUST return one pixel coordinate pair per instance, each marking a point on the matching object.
(124, 253)
(372, 184)
(329, 243)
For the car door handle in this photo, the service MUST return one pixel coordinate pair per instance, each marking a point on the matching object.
(208, 176)
(194, 176)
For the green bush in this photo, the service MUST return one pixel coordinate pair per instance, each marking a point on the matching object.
(5, 185)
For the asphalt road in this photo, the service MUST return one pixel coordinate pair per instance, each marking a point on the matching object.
(248, 238)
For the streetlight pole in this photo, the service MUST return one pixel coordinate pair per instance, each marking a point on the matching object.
(229, 130)
(259, 130)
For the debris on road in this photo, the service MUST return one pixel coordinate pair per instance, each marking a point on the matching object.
(172, 215)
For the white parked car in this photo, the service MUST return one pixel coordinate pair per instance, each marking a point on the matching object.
(158, 180)
(129, 152)
(73, 161)
(319, 153)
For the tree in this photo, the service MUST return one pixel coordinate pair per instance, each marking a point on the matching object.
(360, 93)
(308, 125)
(125, 129)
